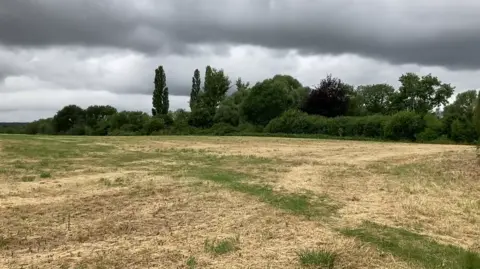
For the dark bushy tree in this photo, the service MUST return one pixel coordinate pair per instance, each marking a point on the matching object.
(329, 98)
(68, 117)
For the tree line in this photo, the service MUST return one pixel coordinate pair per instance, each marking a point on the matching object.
(418, 110)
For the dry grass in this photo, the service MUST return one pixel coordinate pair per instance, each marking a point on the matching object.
(137, 202)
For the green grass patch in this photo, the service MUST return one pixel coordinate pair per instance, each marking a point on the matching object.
(223, 246)
(45, 174)
(415, 248)
(302, 204)
(317, 258)
(192, 263)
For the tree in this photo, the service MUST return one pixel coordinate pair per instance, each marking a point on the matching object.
(476, 118)
(196, 87)
(95, 114)
(68, 117)
(376, 98)
(216, 85)
(160, 93)
(421, 94)
(166, 102)
(266, 100)
(330, 98)
(241, 85)
(215, 88)
(461, 111)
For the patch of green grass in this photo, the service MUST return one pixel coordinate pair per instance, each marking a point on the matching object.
(301, 204)
(223, 246)
(415, 248)
(317, 258)
(45, 174)
(192, 263)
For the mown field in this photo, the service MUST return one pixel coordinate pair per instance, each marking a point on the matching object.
(230, 202)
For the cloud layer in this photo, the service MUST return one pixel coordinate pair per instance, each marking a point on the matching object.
(55, 52)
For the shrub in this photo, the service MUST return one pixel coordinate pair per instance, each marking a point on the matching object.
(291, 121)
(462, 131)
(373, 126)
(153, 124)
(404, 125)
(222, 129)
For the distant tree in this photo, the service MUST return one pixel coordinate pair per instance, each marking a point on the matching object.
(330, 98)
(216, 85)
(266, 100)
(476, 118)
(376, 98)
(196, 88)
(241, 85)
(68, 117)
(160, 98)
(215, 88)
(95, 114)
(166, 101)
(421, 94)
(460, 112)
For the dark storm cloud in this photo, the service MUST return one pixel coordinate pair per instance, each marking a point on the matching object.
(441, 33)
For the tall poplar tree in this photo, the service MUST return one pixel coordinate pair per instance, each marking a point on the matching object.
(160, 93)
(196, 87)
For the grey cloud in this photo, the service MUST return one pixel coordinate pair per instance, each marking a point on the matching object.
(443, 33)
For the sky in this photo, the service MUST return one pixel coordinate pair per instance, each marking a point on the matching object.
(55, 52)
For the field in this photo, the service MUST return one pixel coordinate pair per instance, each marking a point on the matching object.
(229, 202)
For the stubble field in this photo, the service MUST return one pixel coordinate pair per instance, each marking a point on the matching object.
(236, 202)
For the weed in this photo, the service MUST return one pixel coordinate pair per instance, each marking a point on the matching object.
(192, 263)
(222, 246)
(414, 247)
(45, 174)
(317, 258)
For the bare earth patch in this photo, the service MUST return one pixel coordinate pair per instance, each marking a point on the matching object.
(154, 202)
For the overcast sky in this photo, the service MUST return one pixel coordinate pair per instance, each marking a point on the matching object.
(57, 52)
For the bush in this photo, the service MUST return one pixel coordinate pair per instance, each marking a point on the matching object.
(154, 124)
(405, 125)
(291, 121)
(222, 129)
(462, 131)
(374, 126)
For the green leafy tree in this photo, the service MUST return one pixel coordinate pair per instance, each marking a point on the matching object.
(68, 117)
(461, 111)
(476, 118)
(266, 100)
(166, 102)
(376, 98)
(215, 88)
(160, 93)
(216, 85)
(95, 114)
(421, 94)
(196, 88)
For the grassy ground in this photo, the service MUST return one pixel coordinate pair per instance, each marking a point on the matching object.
(230, 202)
